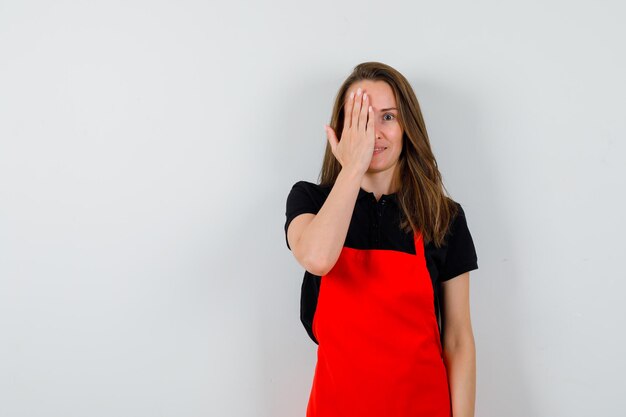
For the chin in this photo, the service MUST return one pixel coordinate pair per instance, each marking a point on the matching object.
(378, 168)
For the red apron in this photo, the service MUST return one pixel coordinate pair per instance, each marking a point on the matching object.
(379, 351)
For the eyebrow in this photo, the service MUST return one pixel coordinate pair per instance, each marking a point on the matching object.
(390, 108)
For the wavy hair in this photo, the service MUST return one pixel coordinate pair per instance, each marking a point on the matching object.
(422, 196)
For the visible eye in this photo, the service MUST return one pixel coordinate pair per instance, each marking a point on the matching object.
(389, 114)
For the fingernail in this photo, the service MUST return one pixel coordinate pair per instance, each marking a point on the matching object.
(358, 92)
(365, 96)
(352, 95)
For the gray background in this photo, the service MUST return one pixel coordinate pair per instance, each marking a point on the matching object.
(147, 150)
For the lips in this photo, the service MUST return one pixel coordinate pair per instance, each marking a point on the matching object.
(378, 150)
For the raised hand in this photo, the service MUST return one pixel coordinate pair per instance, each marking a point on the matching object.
(356, 147)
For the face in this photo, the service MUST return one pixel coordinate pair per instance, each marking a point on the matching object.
(386, 125)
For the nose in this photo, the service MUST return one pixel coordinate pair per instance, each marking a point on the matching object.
(377, 132)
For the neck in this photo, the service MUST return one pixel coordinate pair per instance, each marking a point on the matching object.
(379, 183)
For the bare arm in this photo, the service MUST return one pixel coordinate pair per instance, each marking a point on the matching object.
(317, 240)
(459, 348)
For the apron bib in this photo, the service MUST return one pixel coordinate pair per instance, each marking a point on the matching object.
(379, 351)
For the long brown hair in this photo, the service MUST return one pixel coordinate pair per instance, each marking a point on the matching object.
(421, 194)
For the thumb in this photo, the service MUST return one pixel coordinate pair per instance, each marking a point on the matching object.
(330, 135)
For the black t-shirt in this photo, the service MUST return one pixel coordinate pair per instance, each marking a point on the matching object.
(376, 225)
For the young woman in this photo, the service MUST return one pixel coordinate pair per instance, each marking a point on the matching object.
(387, 257)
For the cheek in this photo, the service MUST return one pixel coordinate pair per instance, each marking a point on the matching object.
(396, 133)
(393, 132)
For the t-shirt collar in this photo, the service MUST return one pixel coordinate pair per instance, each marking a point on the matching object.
(386, 197)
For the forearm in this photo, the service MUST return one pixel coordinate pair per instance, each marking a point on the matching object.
(325, 236)
(460, 360)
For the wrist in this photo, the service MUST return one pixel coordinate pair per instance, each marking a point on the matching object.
(352, 174)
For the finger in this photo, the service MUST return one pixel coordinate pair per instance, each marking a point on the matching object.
(357, 108)
(347, 112)
(370, 120)
(332, 138)
(364, 112)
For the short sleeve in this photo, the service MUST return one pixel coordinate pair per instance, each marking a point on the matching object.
(460, 253)
(302, 198)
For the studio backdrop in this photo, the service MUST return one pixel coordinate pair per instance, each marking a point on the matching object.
(147, 150)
